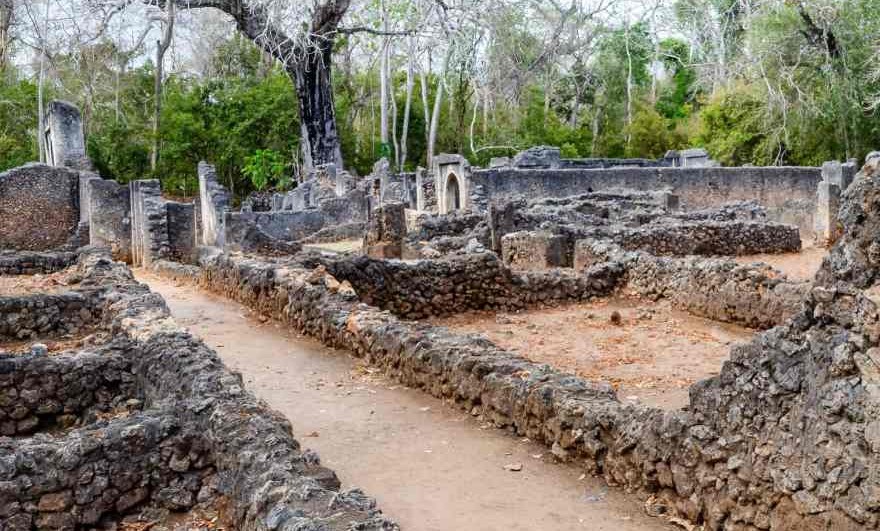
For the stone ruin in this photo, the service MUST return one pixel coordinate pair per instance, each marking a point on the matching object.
(109, 411)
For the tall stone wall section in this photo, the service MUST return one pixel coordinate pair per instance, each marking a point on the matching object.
(149, 223)
(39, 208)
(788, 193)
(110, 217)
(182, 235)
(214, 201)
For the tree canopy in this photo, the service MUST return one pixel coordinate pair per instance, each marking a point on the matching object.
(753, 81)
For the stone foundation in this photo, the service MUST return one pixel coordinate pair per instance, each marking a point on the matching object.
(152, 419)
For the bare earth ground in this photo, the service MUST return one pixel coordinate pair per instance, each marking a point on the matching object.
(797, 266)
(652, 356)
(430, 466)
(16, 285)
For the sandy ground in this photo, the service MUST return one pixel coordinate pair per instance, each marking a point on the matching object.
(797, 266)
(652, 356)
(431, 467)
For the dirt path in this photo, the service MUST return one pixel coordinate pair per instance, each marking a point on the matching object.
(431, 467)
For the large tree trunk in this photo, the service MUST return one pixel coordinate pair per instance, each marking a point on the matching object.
(308, 65)
(311, 73)
(6, 10)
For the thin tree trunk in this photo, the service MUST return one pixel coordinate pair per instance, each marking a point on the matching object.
(435, 114)
(410, 82)
(41, 111)
(396, 158)
(629, 87)
(161, 48)
(383, 84)
(7, 8)
(423, 81)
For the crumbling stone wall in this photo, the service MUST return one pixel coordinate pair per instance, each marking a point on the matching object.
(386, 231)
(42, 393)
(191, 433)
(39, 207)
(788, 193)
(783, 438)
(65, 141)
(31, 263)
(535, 250)
(181, 231)
(101, 471)
(462, 283)
(41, 315)
(149, 223)
(731, 238)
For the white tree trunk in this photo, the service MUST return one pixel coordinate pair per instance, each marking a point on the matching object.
(410, 82)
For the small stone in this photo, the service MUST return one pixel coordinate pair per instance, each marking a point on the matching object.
(39, 349)
(513, 467)
(55, 502)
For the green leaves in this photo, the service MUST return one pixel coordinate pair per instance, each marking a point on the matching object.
(267, 168)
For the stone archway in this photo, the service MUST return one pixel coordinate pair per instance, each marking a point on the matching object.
(453, 193)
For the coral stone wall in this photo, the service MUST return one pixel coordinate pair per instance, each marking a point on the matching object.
(788, 193)
(39, 315)
(39, 206)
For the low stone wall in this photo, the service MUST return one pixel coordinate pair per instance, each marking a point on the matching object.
(726, 238)
(38, 392)
(779, 440)
(32, 263)
(103, 470)
(40, 316)
(754, 295)
(200, 434)
(284, 226)
(424, 288)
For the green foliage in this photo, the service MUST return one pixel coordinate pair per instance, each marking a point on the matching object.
(650, 135)
(730, 127)
(18, 122)
(267, 168)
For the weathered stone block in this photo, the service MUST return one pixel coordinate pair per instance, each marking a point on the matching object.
(533, 250)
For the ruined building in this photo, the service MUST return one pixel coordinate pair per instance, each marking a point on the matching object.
(129, 413)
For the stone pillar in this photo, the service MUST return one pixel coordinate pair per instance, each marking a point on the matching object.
(84, 190)
(109, 207)
(827, 228)
(214, 201)
(386, 231)
(181, 222)
(426, 199)
(65, 140)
